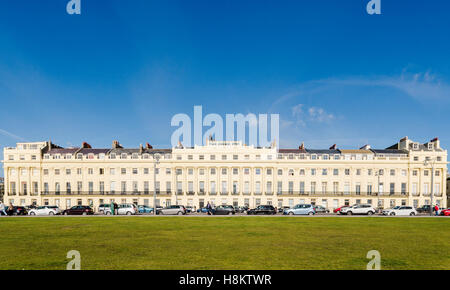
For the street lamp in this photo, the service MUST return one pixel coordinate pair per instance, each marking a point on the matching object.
(156, 158)
(378, 174)
(429, 161)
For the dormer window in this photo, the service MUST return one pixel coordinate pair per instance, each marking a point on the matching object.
(134, 156)
(145, 156)
(325, 157)
(101, 156)
(430, 146)
(68, 156)
(415, 146)
(112, 156)
(123, 156)
(80, 156)
(313, 157)
(90, 156)
(336, 157)
(57, 156)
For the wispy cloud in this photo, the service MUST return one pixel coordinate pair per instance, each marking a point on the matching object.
(11, 135)
(423, 87)
(302, 115)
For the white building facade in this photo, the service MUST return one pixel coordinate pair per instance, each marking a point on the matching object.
(226, 172)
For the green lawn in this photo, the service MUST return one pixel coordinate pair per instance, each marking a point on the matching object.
(257, 243)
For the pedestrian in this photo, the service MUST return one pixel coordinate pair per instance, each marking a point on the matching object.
(116, 209)
(436, 209)
(208, 208)
(2, 208)
(10, 209)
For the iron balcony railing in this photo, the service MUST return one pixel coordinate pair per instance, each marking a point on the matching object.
(202, 193)
(107, 193)
(341, 194)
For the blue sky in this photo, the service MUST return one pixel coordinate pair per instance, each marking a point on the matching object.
(122, 69)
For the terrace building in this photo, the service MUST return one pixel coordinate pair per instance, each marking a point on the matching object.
(2, 188)
(225, 172)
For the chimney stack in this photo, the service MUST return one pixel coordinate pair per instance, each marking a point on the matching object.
(85, 145)
(334, 147)
(148, 146)
(302, 147)
(116, 144)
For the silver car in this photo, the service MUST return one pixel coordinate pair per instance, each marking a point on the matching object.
(172, 210)
(300, 209)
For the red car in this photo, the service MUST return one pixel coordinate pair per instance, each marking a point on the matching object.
(445, 212)
(338, 210)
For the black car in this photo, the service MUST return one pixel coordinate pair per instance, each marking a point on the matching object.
(223, 210)
(424, 209)
(263, 209)
(17, 210)
(79, 210)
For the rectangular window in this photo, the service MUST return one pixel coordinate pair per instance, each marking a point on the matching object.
(313, 187)
(403, 188)
(280, 187)
(91, 187)
(179, 187)
(246, 187)
(224, 187)
(258, 187)
(201, 187)
(212, 188)
(269, 187)
(302, 187)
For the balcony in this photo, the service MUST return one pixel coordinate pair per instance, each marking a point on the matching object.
(340, 194)
(224, 193)
(190, 193)
(104, 193)
(213, 193)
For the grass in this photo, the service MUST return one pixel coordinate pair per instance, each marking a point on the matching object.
(235, 243)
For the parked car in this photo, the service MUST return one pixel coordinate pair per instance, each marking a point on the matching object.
(145, 209)
(241, 209)
(339, 209)
(127, 209)
(223, 210)
(78, 210)
(424, 209)
(104, 208)
(262, 209)
(189, 209)
(172, 210)
(300, 209)
(45, 210)
(364, 209)
(321, 209)
(283, 208)
(202, 210)
(400, 210)
(445, 212)
(17, 210)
